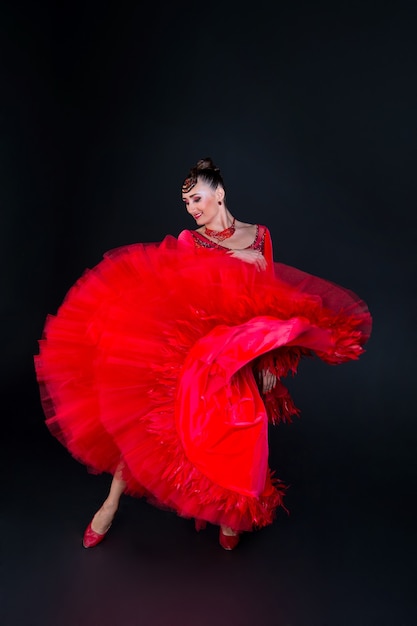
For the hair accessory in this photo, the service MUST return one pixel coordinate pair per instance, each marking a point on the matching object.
(221, 235)
(189, 183)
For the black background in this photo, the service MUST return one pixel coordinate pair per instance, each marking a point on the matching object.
(309, 109)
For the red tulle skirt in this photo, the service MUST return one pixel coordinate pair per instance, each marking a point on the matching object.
(151, 364)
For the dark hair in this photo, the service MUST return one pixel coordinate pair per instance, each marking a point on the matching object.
(206, 171)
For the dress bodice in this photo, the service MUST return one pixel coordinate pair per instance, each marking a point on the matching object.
(262, 241)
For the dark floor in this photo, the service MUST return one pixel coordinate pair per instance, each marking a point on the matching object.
(344, 556)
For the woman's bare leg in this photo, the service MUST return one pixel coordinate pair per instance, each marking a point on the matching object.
(103, 518)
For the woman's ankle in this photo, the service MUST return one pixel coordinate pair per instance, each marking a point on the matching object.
(229, 532)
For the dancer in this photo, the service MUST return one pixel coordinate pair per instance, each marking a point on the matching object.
(164, 364)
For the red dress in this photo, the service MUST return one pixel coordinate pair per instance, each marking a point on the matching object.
(151, 362)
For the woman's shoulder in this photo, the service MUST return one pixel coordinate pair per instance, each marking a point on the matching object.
(254, 235)
(260, 230)
(254, 227)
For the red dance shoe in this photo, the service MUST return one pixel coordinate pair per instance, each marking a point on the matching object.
(228, 542)
(91, 538)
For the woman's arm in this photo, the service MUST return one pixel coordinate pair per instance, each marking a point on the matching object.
(261, 254)
(268, 248)
(267, 379)
(254, 257)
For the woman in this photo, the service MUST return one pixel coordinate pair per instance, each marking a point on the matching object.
(163, 366)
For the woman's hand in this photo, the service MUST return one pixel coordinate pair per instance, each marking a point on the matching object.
(268, 380)
(250, 256)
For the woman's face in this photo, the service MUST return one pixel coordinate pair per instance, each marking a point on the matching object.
(202, 202)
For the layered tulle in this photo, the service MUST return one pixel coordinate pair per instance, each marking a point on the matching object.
(152, 360)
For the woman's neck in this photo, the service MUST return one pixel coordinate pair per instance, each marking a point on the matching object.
(221, 221)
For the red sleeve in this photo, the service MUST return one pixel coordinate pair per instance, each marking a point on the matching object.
(186, 238)
(268, 249)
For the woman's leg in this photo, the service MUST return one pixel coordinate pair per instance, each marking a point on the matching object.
(103, 518)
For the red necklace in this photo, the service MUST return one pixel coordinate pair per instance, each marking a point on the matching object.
(221, 235)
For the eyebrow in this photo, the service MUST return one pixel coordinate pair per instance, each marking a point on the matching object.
(192, 196)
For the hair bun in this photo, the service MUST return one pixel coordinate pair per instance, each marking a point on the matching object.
(204, 171)
(207, 164)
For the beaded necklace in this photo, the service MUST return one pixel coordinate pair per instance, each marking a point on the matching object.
(221, 235)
